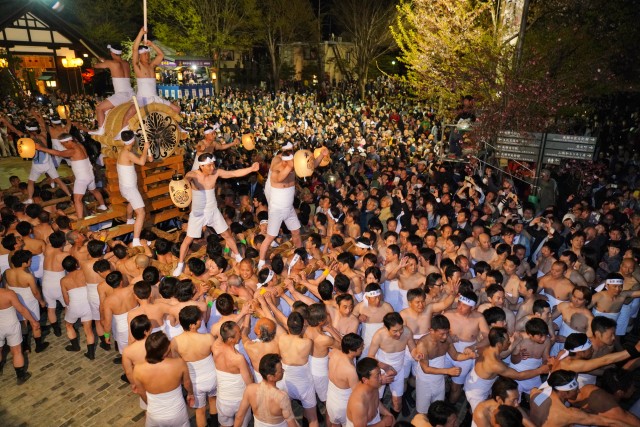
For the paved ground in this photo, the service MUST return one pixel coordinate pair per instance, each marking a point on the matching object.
(16, 166)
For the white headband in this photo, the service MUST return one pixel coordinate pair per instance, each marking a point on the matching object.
(287, 158)
(583, 347)
(287, 146)
(264, 221)
(467, 301)
(267, 280)
(56, 121)
(614, 282)
(68, 138)
(373, 294)
(208, 131)
(32, 128)
(332, 217)
(363, 246)
(143, 49)
(129, 141)
(114, 50)
(294, 261)
(546, 390)
(209, 161)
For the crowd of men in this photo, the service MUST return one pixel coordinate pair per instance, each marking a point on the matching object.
(388, 273)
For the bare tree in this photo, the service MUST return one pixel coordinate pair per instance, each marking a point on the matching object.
(366, 23)
(283, 22)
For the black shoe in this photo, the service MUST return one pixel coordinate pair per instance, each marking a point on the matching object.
(124, 378)
(41, 345)
(74, 346)
(91, 351)
(117, 360)
(104, 345)
(57, 330)
(22, 375)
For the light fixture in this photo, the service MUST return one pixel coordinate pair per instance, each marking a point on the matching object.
(193, 67)
(84, 55)
(214, 76)
(62, 112)
(248, 142)
(180, 192)
(26, 148)
(4, 63)
(72, 62)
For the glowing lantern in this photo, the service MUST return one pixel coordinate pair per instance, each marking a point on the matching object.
(26, 148)
(62, 112)
(303, 163)
(325, 160)
(180, 192)
(248, 142)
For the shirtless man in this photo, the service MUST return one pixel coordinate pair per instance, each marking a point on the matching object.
(20, 280)
(343, 319)
(388, 346)
(467, 325)
(627, 269)
(609, 302)
(209, 145)
(555, 285)
(496, 295)
(52, 275)
(531, 352)
(33, 245)
(197, 350)
(431, 370)
(342, 377)
(246, 271)
(280, 191)
(324, 337)
(408, 278)
(115, 309)
(550, 403)
(233, 375)
(484, 251)
(599, 401)
(74, 292)
(82, 170)
(371, 313)
(42, 163)
(10, 332)
(364, 407)
(271, 406)
(156, 312)
(159, 381)
(135, 353)
(95, 251)
(120, 76)
(128, 180)
(145, 71)
(295, 350)
(576, 317)
(511, 282)
(504, 391)
(184, 294)
(204, 208)
(345, 264)
(266, 342)
(489, 365)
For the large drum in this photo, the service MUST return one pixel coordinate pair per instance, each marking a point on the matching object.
(162, 127)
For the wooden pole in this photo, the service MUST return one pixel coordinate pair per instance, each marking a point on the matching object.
(144, 13)
(144, 129)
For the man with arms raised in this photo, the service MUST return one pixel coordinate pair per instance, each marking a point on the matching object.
(233, 376)
(159, 381)
(280, 191)
(197, 350)
(120, 76)
(204, 207)
(271, 406)
(364, 407)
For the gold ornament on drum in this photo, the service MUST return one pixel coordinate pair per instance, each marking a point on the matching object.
(26, 148)
(248, 141)
(303, 163)
(325, 160)
(180, 192)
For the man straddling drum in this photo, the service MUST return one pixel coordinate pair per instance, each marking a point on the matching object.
(120, 76)
(82, 170)
(128, 181)
(204, 206)
(280, 191)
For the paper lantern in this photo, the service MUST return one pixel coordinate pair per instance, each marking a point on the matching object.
(180, 192)
(303, 163)
(26, 148)
(62, 112)
(248, 141)
(325, 160)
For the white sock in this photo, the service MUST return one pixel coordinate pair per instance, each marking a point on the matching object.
(178, 270)
(237, 257)
(102, 207)
(136, 242)
(261, 264)
(131, 221)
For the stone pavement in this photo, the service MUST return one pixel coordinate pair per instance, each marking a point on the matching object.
(16, 166)
(67, 389)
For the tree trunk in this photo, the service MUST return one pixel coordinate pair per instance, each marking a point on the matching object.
(216, 63)
(275, 70)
